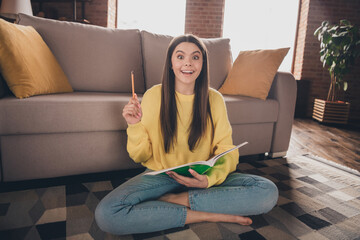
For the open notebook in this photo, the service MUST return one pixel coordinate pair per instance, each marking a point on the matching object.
(200, 167)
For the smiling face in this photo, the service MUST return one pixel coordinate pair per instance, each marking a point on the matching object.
(186, 61)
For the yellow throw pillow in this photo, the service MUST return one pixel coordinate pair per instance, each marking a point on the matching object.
(253, 72)
(27, 64)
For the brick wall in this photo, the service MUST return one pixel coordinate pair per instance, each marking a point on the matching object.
(96, 12)
(307, 65)
(63, 10)
(205, 18)
(300, 43)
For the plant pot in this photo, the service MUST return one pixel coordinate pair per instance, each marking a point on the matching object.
(331, 112)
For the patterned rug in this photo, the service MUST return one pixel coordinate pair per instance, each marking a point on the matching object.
(317, 201)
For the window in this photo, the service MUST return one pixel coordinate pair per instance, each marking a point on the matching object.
(156, 16)
(261, 24)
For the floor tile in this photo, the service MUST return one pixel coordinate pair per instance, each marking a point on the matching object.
(313, 222)
(52, 230)
(332, 215)
(293, 209)
(270, 232)
(252, 235)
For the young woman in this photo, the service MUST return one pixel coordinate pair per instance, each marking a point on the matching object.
(179, 121)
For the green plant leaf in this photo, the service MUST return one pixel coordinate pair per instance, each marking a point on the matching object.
(324, 63)
(337, 39)
(334, 28)
(342, 34)
(329, 60)
(345, 22)
(323, 52)
(317, 31)
(326, 38)
(324, 23)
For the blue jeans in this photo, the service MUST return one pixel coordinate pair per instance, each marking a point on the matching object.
(133, 206)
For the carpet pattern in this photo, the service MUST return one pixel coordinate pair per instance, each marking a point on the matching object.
(316, 201)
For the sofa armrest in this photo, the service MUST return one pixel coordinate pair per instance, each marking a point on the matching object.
(284, 91)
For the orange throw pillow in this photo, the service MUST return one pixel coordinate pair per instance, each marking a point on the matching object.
(253, 72)
(27, 64)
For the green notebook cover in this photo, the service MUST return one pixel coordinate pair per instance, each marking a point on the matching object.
(184, 171)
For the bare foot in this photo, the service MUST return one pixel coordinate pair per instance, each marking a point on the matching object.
(196, 216)
(241, 220)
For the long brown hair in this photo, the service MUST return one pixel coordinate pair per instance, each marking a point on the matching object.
(201, 107)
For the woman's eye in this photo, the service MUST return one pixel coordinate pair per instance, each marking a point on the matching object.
(180, 57)
(196, 57)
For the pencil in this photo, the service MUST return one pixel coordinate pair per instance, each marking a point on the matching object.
(132, 84)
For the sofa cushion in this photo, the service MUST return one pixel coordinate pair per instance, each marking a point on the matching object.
(89, 111)
(94, 58)
(61, 113)
(55, 155)
(27, 64)
(253, 72)
(154, 48)
(243, 110)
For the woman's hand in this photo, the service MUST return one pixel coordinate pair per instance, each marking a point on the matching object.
(197, 181)
(132, 111)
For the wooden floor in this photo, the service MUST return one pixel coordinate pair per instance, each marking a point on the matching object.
(337, 143)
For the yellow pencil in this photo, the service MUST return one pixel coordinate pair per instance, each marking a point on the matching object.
(132, 84)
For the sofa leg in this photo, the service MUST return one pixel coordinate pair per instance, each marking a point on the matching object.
(278, 154)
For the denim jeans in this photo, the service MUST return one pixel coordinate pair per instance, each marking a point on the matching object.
(133, 206)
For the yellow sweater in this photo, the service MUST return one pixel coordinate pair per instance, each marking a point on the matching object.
(145, 143)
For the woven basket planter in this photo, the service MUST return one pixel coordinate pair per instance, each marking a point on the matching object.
(331, 112)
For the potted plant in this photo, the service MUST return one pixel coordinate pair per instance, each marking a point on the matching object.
(339, 48)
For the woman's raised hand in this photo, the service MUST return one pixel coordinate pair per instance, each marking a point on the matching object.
(132, 111)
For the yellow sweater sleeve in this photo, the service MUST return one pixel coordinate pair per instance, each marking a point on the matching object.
(222, 141)
(139, 144)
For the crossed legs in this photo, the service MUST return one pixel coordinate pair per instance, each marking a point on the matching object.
(148, 203)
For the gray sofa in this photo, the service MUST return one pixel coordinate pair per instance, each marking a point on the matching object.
(84, 132)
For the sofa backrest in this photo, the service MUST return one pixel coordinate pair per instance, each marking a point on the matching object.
(93, 58)
(154, 48)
